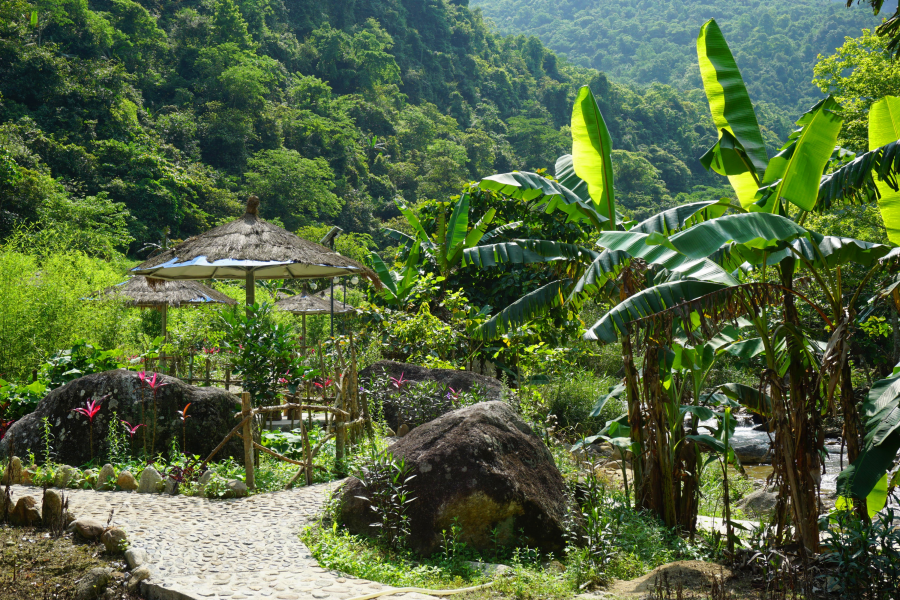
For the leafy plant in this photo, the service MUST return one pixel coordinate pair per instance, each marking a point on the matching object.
(386, 481)
(90, 410)
(79, 360)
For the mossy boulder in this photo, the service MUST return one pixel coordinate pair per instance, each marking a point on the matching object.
(212, 417)
(482, 468)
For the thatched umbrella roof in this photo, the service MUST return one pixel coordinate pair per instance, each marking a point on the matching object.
(303, 304)
(325, 296)
(137, 292)
(246, 247)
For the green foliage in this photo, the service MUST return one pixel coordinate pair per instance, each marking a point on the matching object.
(18, 400)
(648, 41)
(864, 556)
(79, 360)
(262, 350)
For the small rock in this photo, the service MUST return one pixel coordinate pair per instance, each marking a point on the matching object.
(27, 476)
(236, 488)
(150, 480)
(203, 482)
(13, 473)
(106, 479)
(90, 476)
(114, 539)
(89, 529)
(554, 566)
(51, 509)
(489, 569)
(127, 482)
(758, 504)
(64, 476)
(25, 512)
(171, 487)
(403, 430)
(388, 432)
(137, 576)
(93, 583)
(135, 557)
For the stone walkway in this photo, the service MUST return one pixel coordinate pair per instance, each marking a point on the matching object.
(203, 549)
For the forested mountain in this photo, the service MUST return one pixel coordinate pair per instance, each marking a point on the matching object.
(123, 117)
(774, 42)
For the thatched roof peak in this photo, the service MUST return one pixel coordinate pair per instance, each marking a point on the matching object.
(253, 205)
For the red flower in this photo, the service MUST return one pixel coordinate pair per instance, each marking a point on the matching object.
(399, 382)
(132, 429)
(93, 407)
(182, 414)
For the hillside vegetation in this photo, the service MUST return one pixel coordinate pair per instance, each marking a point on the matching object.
(121, 118)
(645, 41)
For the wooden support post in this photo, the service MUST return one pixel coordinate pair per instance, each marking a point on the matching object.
(340, 432)
(250, 478)
(208, 365)
(227, 377)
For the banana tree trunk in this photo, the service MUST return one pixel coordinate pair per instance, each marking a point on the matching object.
(852, 430)
(635, 423)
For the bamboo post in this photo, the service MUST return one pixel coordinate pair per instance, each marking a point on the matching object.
(340, 432)
(249, 478)
(227, 377)
(191, 368)
(309, 456)
(324, 379)
(208, 366)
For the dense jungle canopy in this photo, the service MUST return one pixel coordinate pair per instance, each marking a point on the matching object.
(121, 118)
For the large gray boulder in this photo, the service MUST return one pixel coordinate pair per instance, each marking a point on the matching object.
(481, 465)
(378, 375)
(211, 417)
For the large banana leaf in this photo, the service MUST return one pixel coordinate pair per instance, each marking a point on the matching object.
(746, 349)
(882, 442)
(497, 231)
(819, 251)
(458, 225)
(731, 108)
(647, 303)
(753, 230)
(606, 266)
(635, 244)
(544, 194)
(669, 221)
(383, 273)
(855, 181)
(524, 252)
(491, 255)
(566, 176)
(795, 173)
(591, 153)
(525, 309)
(884, 128)
(750, 398)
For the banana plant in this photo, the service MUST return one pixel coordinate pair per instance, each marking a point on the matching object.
(398, 284)
(445, 251)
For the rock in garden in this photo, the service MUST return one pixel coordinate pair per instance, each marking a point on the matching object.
(13, 473)
(171, 487)
(63, 476)
(126, 481)
(51, 509)
(114, 539)
(93, 583)
(461, 381)
(90, 476)
(150, 480)
(759, 504)
(27, 476)
(136, 557)
(235, 488)
(137, 576)
(106, 479)
(481, 465)
(89, 529)
(203, 482)
(25, 512)
(404, 429)
(212, 417)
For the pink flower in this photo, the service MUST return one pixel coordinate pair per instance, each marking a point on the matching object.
(132, 429)
(93, 407)
(399, 382)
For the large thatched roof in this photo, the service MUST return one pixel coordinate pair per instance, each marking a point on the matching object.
(302, 304)
(137, 292)
(249, 244)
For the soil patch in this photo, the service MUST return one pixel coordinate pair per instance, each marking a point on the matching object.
(694, 577)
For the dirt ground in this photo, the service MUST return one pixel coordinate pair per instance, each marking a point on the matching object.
(681, 579)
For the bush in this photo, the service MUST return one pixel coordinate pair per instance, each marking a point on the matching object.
(865, 556)
(417, 402)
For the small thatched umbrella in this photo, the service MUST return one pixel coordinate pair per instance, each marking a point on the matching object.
(303, 305)
(139, 293)
(249, 249)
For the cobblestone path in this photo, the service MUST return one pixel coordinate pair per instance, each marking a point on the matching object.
(203, 549)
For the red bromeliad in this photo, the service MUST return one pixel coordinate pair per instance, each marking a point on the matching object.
(399, 382)
(183, 415)
(132, 429)
(152, 383)
(90, 410)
